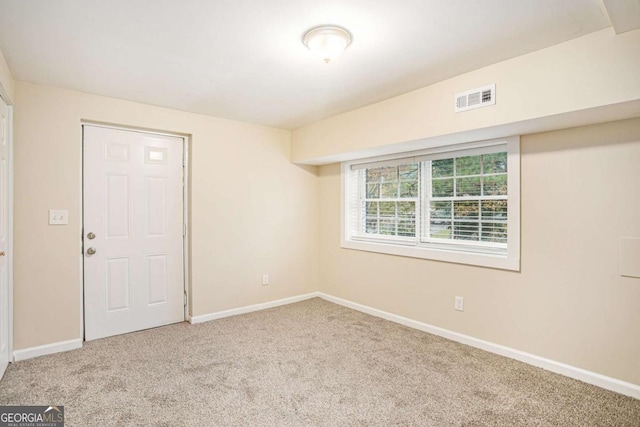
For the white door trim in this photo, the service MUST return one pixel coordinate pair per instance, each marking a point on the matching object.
(9, 250)
(186, 138)
(187, 226)
(10, 235)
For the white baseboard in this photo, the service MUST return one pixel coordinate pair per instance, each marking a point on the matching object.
(250, 308)
(589, 377)
(42, 350)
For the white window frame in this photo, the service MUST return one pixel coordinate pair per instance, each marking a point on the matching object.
(464, 253)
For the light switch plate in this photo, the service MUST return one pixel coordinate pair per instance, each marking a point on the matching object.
(58, 217)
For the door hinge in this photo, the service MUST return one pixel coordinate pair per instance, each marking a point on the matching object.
(185, 298)
(184, 230)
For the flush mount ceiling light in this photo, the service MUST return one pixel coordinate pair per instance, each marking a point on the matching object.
(327, 41)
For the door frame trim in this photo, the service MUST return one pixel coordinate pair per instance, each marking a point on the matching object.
(186, 189)
(10, 235)
(9, 250)
(186, 216)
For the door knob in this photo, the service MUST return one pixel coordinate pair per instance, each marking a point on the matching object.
(91, 236)
(2, 253)
(91, 251)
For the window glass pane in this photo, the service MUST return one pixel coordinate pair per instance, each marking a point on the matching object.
(409, 172)
(407, 219)
(466, 230)
(373, 191)
(494, 162)
(466, 210)
(406, 228)
(406, 209)
(388, 226)
(494, 232)
(389, 174)
(470, 165)
(409, 189)
(371, 217)
(440, 229)
(390, 190)
(372, 209)
(468, 186)
(442, 168)
(440, 210)
(442, 187)
(373, 175)
(495, 185)
(371, 225)
(494, 209)
(388, 209)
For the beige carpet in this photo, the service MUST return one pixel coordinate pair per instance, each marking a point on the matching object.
(307, 364)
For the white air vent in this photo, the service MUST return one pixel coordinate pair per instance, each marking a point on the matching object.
(476, 98)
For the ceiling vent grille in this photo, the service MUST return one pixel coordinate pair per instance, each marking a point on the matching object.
(476, 98)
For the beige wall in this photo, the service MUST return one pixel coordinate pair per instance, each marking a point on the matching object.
(6, 81)
(579, 195)
(591, 79)
(251, 209)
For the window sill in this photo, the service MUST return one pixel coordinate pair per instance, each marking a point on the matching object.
(458, 257)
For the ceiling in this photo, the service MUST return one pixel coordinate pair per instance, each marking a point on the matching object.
(244, 59)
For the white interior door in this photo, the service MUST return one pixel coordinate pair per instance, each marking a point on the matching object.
(133, 231)
(4, 236)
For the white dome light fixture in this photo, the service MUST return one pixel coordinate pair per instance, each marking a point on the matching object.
(327, 41)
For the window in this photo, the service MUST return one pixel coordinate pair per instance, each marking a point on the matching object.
(457, 203)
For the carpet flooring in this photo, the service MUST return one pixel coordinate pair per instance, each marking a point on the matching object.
(313, 363)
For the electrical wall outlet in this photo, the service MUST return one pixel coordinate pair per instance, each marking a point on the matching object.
(459, 304)
(265, 279)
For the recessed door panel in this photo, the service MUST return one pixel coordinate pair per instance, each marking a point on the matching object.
(156, 195)
(117, 284)
(156, 155)
(116, 152)
(117, 206)
(157, 279)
